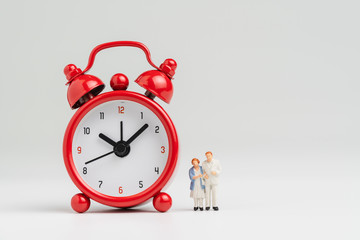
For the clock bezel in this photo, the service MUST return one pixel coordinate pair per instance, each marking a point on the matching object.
(144, 195)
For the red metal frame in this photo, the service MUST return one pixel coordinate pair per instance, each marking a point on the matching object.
(153, 189)
(111, 45)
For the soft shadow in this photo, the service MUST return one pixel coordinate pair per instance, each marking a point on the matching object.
(182, 210)
(66, 208)
(121, 210)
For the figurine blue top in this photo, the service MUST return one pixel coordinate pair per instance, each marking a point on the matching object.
(192, 174)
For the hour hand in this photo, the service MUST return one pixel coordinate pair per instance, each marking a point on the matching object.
(107, 139)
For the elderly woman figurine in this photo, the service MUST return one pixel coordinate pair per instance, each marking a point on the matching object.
(197, 186)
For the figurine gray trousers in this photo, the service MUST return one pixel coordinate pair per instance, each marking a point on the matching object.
(213, 190)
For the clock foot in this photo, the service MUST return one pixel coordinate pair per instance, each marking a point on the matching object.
(162, 202)
(80, 203)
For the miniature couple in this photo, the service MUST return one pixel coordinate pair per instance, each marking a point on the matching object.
(204, 182)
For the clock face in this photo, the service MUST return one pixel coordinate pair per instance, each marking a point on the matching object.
(120, 148)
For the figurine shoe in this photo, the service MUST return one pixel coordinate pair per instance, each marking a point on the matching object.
(196, 208)
(216, 208)
(207, 208)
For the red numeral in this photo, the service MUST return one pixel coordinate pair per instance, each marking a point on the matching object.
(79, 150)
(121, 190)
(162, 149)
(121, 109)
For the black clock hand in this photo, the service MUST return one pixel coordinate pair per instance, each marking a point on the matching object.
(133, 137)
(121, 131)
(99, 157)
(107, 139)
(121, 148)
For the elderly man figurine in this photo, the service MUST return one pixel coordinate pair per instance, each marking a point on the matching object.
(212, 170)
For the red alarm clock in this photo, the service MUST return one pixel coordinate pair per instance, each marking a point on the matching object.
(121, 147)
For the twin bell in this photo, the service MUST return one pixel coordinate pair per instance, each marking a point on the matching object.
(83, 87)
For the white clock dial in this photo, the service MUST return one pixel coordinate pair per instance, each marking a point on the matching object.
(127, 169)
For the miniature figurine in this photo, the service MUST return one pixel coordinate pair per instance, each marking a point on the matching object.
(212, 170)
(196, 186)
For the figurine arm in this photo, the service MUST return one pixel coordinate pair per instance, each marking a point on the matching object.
(198, 176)
(218, 168)
(205, 173)
(191, 174)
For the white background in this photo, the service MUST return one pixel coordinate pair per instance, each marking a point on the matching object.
(271, 87)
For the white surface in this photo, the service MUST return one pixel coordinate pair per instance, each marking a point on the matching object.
(258, 200)
(271, 87)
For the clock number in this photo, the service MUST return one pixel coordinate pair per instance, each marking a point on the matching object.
(121, 109)
(84, 170)
(79, 150)
(86, 130)
(100, 183)
(141, 185)
(156, 129)
(142, 115)
(162, 149)
(121, 190)
(157, 170)
(102, 115)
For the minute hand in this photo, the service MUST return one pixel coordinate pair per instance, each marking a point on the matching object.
(133, 137)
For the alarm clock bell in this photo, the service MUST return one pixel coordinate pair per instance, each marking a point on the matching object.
(158, 82)
(82, 87)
